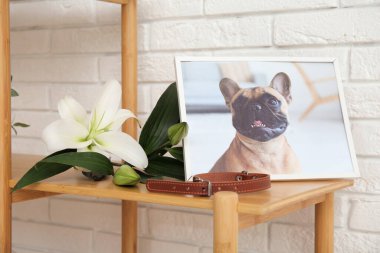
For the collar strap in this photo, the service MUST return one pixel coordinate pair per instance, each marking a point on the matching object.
(207, 184)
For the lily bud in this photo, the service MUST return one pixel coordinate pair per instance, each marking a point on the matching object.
(125, 175)
(177, 132)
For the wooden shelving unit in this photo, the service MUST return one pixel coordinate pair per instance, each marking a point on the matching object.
(231, 211)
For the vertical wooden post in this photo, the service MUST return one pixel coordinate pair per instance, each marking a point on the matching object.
(129, 101)
(5, 130)
(226, 225)
(129, 62)
(324, 225)
(129, 227)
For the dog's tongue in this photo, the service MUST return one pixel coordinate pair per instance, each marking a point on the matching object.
(257, 123)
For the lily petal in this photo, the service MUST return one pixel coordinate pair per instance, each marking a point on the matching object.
(94, 148)
(121, 116)
(69, 108)
(65, 133)
(107, 105)
(123, 146)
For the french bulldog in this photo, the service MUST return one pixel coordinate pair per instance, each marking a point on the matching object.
(260, 117)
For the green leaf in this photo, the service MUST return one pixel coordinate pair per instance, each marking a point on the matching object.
(166, 166)
(176, 152)
(19, 124)
(14, 93)
(177, 132)
(92, 161)
(41, 171)
(165, 114)
(14, 129)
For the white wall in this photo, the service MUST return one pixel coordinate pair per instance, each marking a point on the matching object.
(72, 47)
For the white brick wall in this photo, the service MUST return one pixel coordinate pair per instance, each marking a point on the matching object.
(71, 47)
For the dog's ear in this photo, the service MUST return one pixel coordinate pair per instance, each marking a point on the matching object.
(228, 88)
(281, 83)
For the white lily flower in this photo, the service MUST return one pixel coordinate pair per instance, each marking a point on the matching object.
(99, 132)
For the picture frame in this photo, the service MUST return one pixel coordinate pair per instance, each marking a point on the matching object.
(316, 144)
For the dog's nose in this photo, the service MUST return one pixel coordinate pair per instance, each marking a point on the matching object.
(257, 107)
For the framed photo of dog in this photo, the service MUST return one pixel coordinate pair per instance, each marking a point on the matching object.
(282, 116)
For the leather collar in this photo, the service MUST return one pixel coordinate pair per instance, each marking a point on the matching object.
(207, 184)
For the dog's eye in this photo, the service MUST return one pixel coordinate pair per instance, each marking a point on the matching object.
(273, 102)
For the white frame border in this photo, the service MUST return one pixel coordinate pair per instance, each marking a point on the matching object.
(181, 101)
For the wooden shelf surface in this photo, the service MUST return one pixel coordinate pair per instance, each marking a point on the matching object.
(281, 195)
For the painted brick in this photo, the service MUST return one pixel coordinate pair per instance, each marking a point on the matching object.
(99, 215)
(151, 9)
(211, 33)
(288, 238)
(30, 42)
(143, 33)
(51, 238)
(103, 39)
(337, 26)
(363, 100)
(365, 63)
(106, 242)
(242, 6)
(151, 68)
(302, 217)
(143, 223)
(28, 146)
(369, 182)
(350, 3)
(110, 68)
(254, 238)
(180, 227)
(37, 210)
(305, 217)
(366, 135)
(95, 215)
(144, 101)
(351, 242)
(37, 121)
(365, 215)
(18, 250)
(85, 40)
(157, 90)
(340, 53)
(31, 97)
(52, 13)
(85, 94)
(148, 245)
(108, 13)
(197, 229)
(56, 69)
(210, 250)
(341, 210)
(156, 68)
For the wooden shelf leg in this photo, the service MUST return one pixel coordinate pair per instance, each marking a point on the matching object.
(226, 226)
(129, 62)
(324, 225)
(129, 226)
(5, 130)
(129, 101)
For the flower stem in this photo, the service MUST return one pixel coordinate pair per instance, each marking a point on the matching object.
(116, 164)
